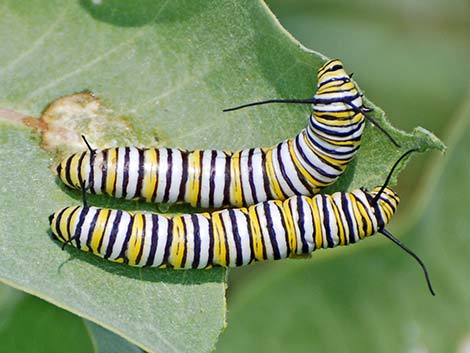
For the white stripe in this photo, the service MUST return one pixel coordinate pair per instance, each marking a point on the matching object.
(219, 178)
(189, 244)
(204, 234)
(319, 202)
(107, 232)
(244, 171)
(258, 175)
(291, 169)
(244, 233)
(280, 230)
(176, 175)
(162, 235)
(205, 178)
(121, 236)
(120, 171)
(230, 245)
(131, 189)
(162, 168)
(98, 169)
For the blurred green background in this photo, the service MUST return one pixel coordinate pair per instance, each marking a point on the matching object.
(412, 59)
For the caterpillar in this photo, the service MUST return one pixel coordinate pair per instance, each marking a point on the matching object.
(303, 165)
(269, 230)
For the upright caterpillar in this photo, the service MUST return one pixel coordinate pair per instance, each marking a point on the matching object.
(303, 165)
(270, 230)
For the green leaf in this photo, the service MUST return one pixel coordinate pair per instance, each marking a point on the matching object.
(51, 329)
(374, 300)
(164, 70)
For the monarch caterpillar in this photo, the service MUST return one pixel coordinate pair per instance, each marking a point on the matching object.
(269, 230)
(303, 165)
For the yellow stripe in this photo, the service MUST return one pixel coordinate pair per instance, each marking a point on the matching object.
(136, 238)
(236, 192)
(273, 182)
(322, 156)
(98, 231)
(289, 221)
(365, 215)
(339, 221)
(150, 174)
(310, 179)
(317, 220)
(63, 223)
(177, 245)
(74, 169)
(85, 165)
(111, 170)
(256, 234)
(220, 248)
(194, 159)
(357, 216)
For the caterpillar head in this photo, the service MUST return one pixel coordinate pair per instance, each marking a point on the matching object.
(72, 170)
(333, 69)
(387, 201)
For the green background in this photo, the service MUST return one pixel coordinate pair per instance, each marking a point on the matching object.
(411, 58)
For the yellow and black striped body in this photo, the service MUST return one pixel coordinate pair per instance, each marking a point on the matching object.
(315, 158)
(269, 230)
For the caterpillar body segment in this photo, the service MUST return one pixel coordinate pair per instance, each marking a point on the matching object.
(269, 230)
(302, 165)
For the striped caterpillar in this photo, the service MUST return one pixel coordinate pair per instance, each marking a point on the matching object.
(269, 230)
(303, 165)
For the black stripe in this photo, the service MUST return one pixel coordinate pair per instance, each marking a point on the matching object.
(113, 234)
(69, 222)
(210, 257)
(227, 248)
(364, 219)
(168, 175)
(125, 244)
(125, 171)
(236, 237)
(201, 158)
(266, 183)
(271, 231)
(57, 224)
(315, 167)
(350, 232)
(212, 179)
(300, 223)
(140, 176)
(154, 192)
(104, 231)
(197, 241)
(116, 164)
(250, 175)
(284, 227)
(92, 227)
(153, 241)
(227, 179)
(104, 169)
(251, 238)
(185, 249)
(142, 243)
(326, 221)
(68, 177)
(283, 169)
(264, 254)
(79, 171)
(169, 240)
(91, 177)
(184, 176)
(81, 219)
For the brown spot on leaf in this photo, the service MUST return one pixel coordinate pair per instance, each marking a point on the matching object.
(69, 117)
